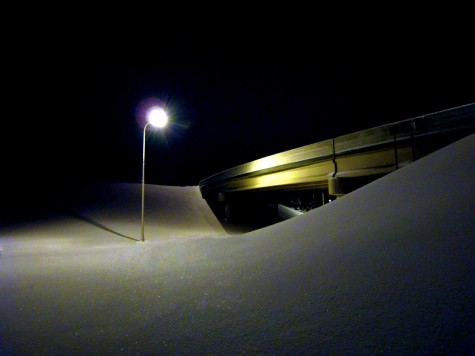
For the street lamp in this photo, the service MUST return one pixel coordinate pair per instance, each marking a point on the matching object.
(156, 117)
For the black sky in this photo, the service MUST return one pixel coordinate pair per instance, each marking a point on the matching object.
(231, 100)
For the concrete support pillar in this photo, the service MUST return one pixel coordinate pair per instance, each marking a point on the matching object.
(335, 187)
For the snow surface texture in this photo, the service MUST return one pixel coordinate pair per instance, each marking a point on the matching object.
(386, 269)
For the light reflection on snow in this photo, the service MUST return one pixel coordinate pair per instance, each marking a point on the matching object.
(354, 277)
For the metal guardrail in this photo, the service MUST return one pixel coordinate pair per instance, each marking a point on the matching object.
(458, 118)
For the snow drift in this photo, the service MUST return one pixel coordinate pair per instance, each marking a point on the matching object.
(386, 269)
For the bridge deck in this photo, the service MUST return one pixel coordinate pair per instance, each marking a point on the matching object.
(372, 152)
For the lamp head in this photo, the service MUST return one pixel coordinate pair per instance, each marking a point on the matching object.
(157, 117)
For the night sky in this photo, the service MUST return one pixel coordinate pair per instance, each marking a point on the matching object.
(231, 101)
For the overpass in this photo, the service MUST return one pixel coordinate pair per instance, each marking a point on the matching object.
(339, 165)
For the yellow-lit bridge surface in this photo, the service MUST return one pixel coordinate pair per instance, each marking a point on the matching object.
(333, 163)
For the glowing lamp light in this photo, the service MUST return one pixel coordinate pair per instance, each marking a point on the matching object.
(157, 117)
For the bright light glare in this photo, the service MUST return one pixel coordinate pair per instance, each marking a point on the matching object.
(157, 117)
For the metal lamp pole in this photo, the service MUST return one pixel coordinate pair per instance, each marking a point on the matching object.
(158, 118)
(143, 182)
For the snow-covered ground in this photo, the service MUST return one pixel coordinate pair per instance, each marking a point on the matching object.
(386, 269)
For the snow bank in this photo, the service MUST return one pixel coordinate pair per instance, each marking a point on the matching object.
(111, 213)
(170, 212)
(386, 269)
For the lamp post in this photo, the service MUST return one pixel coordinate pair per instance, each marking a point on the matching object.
(157, 117)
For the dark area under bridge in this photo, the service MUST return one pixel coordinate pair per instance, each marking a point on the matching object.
(314, 174)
